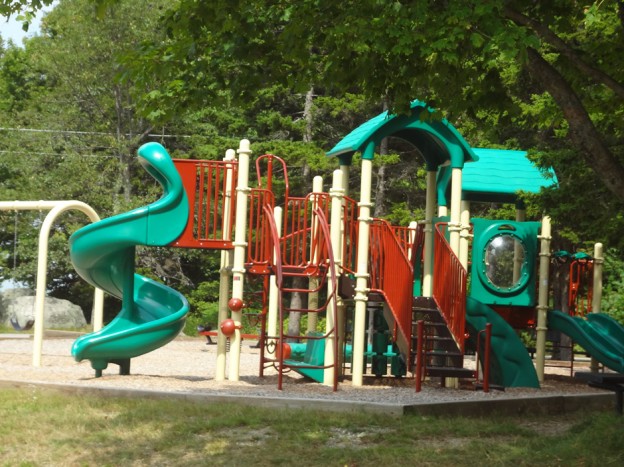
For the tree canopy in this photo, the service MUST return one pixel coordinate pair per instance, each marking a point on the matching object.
(552, 67)
(105, 76)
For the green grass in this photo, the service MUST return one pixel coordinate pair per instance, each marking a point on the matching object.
(42, 427)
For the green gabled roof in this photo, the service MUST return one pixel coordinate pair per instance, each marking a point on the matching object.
(437, 140)
(500, 174)
(358, 137)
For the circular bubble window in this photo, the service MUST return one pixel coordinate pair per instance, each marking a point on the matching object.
(505, 262)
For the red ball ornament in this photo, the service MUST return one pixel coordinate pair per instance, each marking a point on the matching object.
(228, 327)
(286, 350)
(235, 304)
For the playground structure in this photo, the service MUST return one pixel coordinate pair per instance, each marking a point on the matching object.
(394, 299)
(55, 208)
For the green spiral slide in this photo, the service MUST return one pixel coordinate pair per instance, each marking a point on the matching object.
(103, 253)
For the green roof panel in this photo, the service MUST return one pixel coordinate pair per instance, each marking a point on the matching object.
(354, 140)
(500, 174)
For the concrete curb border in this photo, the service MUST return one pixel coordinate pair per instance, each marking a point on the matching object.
(540, 405)
(546, 405)
(255, 401)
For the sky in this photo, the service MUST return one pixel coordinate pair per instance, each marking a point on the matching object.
(13, 28)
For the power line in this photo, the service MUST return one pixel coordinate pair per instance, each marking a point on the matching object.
(23, 153)
(98, 133)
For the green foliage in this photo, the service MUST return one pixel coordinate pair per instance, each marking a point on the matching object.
(69, 132)
(25, 9)
(582, 209)
(205, 74)
(613, 286)
(204, 301)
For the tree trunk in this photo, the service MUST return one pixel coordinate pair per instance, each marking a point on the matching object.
(582, 131)
(567, 51)
(308, 116)
(296, 302)
(308, 133)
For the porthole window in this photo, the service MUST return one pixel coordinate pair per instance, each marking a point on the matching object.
(504, 261)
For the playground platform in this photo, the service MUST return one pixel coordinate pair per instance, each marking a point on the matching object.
(184, 370)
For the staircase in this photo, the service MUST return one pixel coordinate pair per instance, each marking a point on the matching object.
(442, 356)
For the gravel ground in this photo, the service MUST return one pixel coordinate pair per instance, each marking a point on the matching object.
(187, 365)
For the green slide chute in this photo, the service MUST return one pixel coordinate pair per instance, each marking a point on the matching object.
(103, 254)
(510, 363)
(601, 336)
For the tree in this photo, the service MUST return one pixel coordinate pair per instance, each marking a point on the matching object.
(537, 75)
(70, 131)
(26, 9)
(463, 57)
(70, 121)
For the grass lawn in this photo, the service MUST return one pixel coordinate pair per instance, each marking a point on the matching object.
(45, 427)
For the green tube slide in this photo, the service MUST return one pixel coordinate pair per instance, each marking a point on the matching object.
(510, 363)
(601, 336)
(103, 253)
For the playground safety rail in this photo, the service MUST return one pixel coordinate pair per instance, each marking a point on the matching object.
(350, 235)
(259, 240)
(581, 287)
(207, 185)
(391, 274)
(449, 286)
(407, 238)
(300, 241)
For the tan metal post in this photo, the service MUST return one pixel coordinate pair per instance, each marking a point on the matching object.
(430, 205)
(454, 222)
(542, 301)
(56, 208)
(597, 292)
(345, 169)
(313, 282)
(225, 272)
(336, 194)
(342, 315)
(464, 234)
(240, 248)
(273, 312)
(361, 285)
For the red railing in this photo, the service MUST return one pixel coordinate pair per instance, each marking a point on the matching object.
(581, 286)
(208, 184)
(350, 237)
(405, 236)
(391, 274)
(299, 244)
(329, 274)
(449, 286)
(300, 236)
(418, 245)
(259, 240)
(271, 161)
